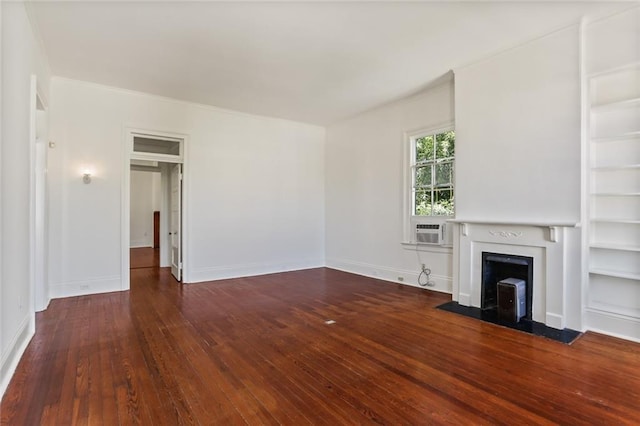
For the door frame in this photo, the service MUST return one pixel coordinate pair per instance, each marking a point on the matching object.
(38, 224)
(128, 133)
(179, 266)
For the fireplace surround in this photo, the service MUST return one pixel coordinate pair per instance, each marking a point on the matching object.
(546, 244)
(551, 267)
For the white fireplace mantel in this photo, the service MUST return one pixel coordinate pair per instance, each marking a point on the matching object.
(553, 226)
(543, 241)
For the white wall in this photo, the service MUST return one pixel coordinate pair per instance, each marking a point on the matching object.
(518, 133)
(518, 150)
(364, 190)
(145, 199)
(254, 187)
(21, 57)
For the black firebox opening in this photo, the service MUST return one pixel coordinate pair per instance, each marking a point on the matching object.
(497, 267)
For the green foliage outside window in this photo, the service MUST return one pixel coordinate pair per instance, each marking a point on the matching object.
(433, 174)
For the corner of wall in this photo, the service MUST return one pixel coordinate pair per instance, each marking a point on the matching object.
(16, 349)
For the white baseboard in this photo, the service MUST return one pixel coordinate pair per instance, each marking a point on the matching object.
(16, 348)
(249, 270)
(140, 244)
(555, 321)
(464, 299)
(613, 324)
(44, 307)
(442, 283)
(84, 287)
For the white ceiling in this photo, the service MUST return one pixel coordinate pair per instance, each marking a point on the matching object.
(310, 62)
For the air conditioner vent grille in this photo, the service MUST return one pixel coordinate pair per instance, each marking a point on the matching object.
(424, 238)
(427, 226)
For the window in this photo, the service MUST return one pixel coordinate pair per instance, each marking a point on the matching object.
(432, 162)
(161, 148)
(156, 146)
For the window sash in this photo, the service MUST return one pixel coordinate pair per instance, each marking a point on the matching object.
(430, 191)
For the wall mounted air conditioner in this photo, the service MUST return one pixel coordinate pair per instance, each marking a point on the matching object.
(432, 233)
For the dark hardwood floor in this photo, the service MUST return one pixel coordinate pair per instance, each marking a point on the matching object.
(257, 351)
(144, 257)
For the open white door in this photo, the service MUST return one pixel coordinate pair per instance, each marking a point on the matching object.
(175, 231)
(40, 261)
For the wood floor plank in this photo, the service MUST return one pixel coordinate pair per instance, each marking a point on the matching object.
(257, 351)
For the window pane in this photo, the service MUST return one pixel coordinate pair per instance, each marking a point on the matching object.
(443, 203)
(444, 174)
(422, 204)
(445, 144)
(432, 171)
(424, 148)
(423, 176)
(155, 146)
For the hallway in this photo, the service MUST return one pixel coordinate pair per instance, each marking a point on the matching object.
(144, 257)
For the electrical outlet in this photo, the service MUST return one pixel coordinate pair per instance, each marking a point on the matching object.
(400, 279)
(424, 265)
(84, 286)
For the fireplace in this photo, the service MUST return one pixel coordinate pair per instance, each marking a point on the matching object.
(545, 256)
(554, 296)
(500, 267)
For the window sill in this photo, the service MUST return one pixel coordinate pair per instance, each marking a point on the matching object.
(409, 245)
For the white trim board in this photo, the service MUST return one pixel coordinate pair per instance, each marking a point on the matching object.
(612, 324)
(96, 285)
(443, 283)
(199, 275)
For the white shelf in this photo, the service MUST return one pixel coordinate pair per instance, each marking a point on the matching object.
(615, 70)
(606, 106)
(516, 223)
(615, 194)
(619, 247)
(616, 274)
(609, 309)
(613, 168)
(611, 220)
(622, 136)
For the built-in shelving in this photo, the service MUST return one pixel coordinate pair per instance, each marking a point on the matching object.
(611, 173)
(613, 225)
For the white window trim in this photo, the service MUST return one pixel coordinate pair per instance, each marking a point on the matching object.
(409, 220)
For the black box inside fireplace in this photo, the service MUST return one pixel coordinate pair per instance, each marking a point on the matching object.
(498, 267)
(512, 299)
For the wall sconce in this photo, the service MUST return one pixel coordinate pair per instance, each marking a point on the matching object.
(86, 178)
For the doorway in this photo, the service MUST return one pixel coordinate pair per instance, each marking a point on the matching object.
(145, 211)
(156, 158)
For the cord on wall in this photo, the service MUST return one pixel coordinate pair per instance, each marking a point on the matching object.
(425, 273)
(425, 276)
